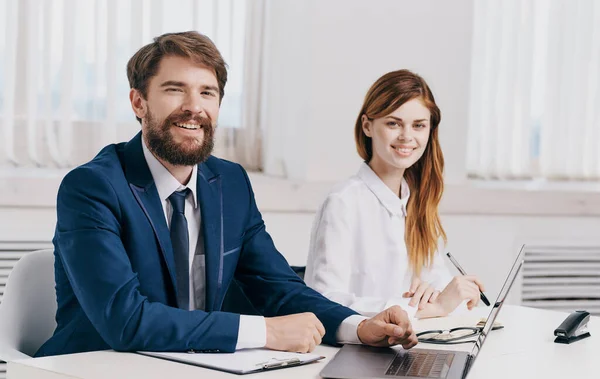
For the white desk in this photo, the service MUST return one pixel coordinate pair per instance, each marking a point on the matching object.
(523, 349)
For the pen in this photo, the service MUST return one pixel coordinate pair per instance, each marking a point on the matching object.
(462, 272)
(280, 363)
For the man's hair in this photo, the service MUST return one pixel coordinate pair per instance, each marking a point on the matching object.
(199, 48)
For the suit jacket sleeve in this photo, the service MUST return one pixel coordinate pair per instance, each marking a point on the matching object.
(89, 244)
(272, 286)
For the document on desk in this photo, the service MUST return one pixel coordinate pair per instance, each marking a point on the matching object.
(242, 361)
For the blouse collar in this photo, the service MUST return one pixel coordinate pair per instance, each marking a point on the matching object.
(394, 204)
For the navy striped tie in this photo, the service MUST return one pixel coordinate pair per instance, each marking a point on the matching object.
(181, 246)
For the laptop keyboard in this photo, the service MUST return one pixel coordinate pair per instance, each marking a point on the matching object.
(421, 364)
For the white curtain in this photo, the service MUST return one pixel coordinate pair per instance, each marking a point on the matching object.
(535, 90)
(63, 87)
(249, 144)
(244, 144)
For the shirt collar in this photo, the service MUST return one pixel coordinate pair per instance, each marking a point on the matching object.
(166, 183)
(394, 204)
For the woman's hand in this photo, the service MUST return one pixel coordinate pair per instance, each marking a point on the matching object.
(461, 288)
(421, 293)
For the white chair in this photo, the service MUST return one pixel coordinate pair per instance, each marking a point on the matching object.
(28, 309)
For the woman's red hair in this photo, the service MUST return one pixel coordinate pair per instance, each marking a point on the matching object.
(425, 177)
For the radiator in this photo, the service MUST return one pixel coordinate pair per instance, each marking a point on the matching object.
(563, 277)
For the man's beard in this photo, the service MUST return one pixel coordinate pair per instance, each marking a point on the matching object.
(187, 153)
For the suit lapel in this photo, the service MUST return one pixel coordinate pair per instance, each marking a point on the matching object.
(144, 190)
(210, 198)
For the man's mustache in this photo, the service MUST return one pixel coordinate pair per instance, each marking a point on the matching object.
(182, 118)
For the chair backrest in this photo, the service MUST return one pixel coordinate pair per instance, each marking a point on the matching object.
(28, 309)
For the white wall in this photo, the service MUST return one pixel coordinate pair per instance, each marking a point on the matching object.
(325, 54)
(322, 55)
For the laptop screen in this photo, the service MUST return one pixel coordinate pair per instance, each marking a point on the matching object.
(497, 305)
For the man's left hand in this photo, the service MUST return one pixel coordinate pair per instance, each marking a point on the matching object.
(388, 328)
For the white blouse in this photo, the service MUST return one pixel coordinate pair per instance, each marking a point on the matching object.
(358, 254)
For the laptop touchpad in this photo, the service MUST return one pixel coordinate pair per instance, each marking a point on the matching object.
(360, 361)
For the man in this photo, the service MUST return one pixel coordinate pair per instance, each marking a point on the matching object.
(151, 232)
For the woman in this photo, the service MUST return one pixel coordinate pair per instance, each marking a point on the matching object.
(374, 240)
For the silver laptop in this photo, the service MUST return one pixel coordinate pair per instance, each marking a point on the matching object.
(359, 361)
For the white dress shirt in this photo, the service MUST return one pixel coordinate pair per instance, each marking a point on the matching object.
(358, 254)
(252, 331)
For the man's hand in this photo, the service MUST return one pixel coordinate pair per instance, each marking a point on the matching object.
(299, 333)
(421, 293)
(390, 327)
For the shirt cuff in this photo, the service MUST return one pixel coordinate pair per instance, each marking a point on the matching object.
(252, 332)
(347, 332)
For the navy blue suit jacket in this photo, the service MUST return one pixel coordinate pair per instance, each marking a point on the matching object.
(114, 265)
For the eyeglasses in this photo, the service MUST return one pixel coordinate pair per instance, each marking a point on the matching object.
(448, 337)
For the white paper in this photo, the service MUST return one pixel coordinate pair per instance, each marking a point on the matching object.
(242, 361)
